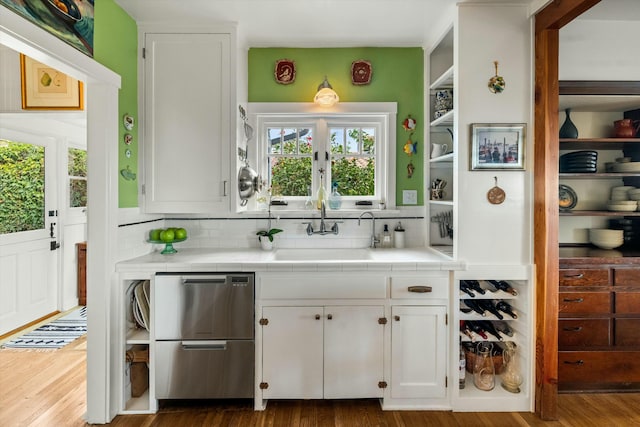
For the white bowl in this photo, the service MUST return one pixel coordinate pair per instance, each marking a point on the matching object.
(604, 245)
(621, 208)
(622, 202)
(605, 233)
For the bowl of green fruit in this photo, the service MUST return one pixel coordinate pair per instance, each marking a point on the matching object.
(168, 236)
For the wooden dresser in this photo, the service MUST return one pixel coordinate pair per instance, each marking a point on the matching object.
(599, 320)
(81, 250)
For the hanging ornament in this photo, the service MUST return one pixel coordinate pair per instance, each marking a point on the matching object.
(410, 169)
(496, 195)
(409, 124)
(496, 83)
(410, 148)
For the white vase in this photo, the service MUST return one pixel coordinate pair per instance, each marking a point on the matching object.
(265, 243)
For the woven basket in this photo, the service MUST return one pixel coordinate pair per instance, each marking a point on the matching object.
(470, 359)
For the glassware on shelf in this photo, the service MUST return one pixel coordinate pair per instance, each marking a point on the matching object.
(335, 198)
(484, 373)
(308, 203)
(511, 377)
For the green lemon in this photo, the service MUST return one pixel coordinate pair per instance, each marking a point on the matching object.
(167, 236)
(181, 233)
(154, 234)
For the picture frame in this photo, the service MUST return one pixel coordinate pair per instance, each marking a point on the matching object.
(497, 146)
(45, 88)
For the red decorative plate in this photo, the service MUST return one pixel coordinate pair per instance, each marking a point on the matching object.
(361, 72)
(285, 71)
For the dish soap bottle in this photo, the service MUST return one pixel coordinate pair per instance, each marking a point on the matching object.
(398, 236)
(308, 203)
(335, 199)
(321, 195)
(386, 237)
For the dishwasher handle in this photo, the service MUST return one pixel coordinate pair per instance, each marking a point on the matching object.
(204, 345)
(204, 280)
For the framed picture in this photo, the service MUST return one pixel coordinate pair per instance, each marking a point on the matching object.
(497, 146)
(45, 88)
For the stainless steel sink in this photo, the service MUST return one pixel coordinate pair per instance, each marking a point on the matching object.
(322, 255)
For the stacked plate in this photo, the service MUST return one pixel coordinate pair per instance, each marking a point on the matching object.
(579, 162)
(605, 238)
(634, 194)
(630, 228)
(626, 167)
(622, 205)
(621, 193)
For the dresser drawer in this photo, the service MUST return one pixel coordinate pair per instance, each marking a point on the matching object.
(583, 277)
(627, 332)
(583, 332)
(603, 367)
(627, 302)
(627, 276)
(584, 302)
(420, 287)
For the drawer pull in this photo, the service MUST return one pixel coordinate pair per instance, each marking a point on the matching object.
(574, 329)
(574, 276)
(573, 300)
(329, 316)
(420, 289)
(576, 363)
(317, 317)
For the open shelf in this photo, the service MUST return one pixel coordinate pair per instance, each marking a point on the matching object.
(598, 213)
(446, 120)
(595, 143)
(598, 175)
(137, 336)
(445, 81)
(447, 158)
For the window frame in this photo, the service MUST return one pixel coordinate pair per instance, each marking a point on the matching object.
(378, 115)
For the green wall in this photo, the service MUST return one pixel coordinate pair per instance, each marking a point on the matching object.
(397, 77)
(115, 45)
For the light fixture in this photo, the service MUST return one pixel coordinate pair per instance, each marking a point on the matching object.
(326, 96)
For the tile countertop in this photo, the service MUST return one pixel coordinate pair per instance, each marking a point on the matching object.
(187, 260)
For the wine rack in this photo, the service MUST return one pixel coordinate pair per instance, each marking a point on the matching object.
(496, 308)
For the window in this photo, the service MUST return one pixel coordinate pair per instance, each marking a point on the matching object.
(298, 152)
(77, 171)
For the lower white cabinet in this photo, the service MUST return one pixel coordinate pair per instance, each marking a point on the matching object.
(316, 352)
(418, 352)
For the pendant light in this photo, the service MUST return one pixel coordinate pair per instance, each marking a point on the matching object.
(326, 96)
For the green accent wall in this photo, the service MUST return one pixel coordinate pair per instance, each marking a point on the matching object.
(397, 77)
(115, 45)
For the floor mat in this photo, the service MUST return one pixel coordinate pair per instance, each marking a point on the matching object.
(53, 335)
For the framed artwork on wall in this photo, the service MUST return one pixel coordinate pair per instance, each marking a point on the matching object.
(45, 88)
(497, 146)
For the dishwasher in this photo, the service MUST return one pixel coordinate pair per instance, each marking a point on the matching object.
(204, 335)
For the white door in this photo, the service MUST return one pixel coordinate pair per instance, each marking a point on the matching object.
(418, 352)
(292, 352)
(353, 352)
(28, 218)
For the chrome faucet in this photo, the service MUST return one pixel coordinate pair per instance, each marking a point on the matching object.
(323, 226)
(374, 239)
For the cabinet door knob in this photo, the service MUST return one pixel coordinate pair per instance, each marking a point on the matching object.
(396, 318)
(329, 316)
(317, 317)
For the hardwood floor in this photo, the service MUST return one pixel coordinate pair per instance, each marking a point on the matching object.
(48, 389)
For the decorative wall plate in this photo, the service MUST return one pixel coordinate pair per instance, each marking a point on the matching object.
(567, 198)
(496, 195)
(285, 71)
(361, 72)
(128, 122)
(409, 124)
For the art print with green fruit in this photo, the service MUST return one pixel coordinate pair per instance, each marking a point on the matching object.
(168, 236)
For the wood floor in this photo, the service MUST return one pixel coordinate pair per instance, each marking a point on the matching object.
(48, 389)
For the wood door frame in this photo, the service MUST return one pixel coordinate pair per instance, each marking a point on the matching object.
(548, 22)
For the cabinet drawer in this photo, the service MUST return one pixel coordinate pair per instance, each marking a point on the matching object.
(604, 367)
(584, 302)
(583, 332)
(419, 287)
(627, 277)
(628, 302)
(628, 331)
(322, 286)
(583, 277)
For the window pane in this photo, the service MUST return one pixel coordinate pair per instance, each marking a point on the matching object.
(274, 138)
(21, 187)
(290, 176)
(306, 141)
(290, 141)
(77, 193)
(353, 141)
(77, 162)
(337, 141)
(368, 141)
(355, 176)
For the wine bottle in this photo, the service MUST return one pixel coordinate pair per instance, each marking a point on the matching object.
(465, 288)
(476, 328)
(465, 330)
(475, 285)
(488, 327)
(488, 305)
(462, 372)
(473, 305)
(506, 307)
(503, 328)
(503, 286)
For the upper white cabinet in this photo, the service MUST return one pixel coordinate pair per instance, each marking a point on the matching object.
(186, 120)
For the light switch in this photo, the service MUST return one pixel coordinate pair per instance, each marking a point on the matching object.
(409, 197)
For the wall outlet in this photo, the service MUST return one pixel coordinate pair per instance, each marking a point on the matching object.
(409, 197)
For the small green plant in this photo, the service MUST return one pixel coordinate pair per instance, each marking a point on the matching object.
(269, 233)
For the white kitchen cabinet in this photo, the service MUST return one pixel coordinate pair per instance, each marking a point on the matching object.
(418, 352)
(316, 352)
(187, 121)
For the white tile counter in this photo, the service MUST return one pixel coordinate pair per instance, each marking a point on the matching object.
(186, 260)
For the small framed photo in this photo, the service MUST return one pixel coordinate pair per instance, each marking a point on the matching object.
(497, 146)
(45, 88)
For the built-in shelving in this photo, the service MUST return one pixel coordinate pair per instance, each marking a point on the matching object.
(445, 81)
(444, 120)
(598, 213)
(599, 175)
(444, 158)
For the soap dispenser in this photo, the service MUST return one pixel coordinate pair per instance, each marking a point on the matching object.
(335, 199)
(386, 237)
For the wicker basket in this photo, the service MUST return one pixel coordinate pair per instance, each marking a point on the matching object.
(470, 358)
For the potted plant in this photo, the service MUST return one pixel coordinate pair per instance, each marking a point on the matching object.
(266, 238)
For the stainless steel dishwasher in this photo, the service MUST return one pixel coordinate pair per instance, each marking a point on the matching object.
(204, 337)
